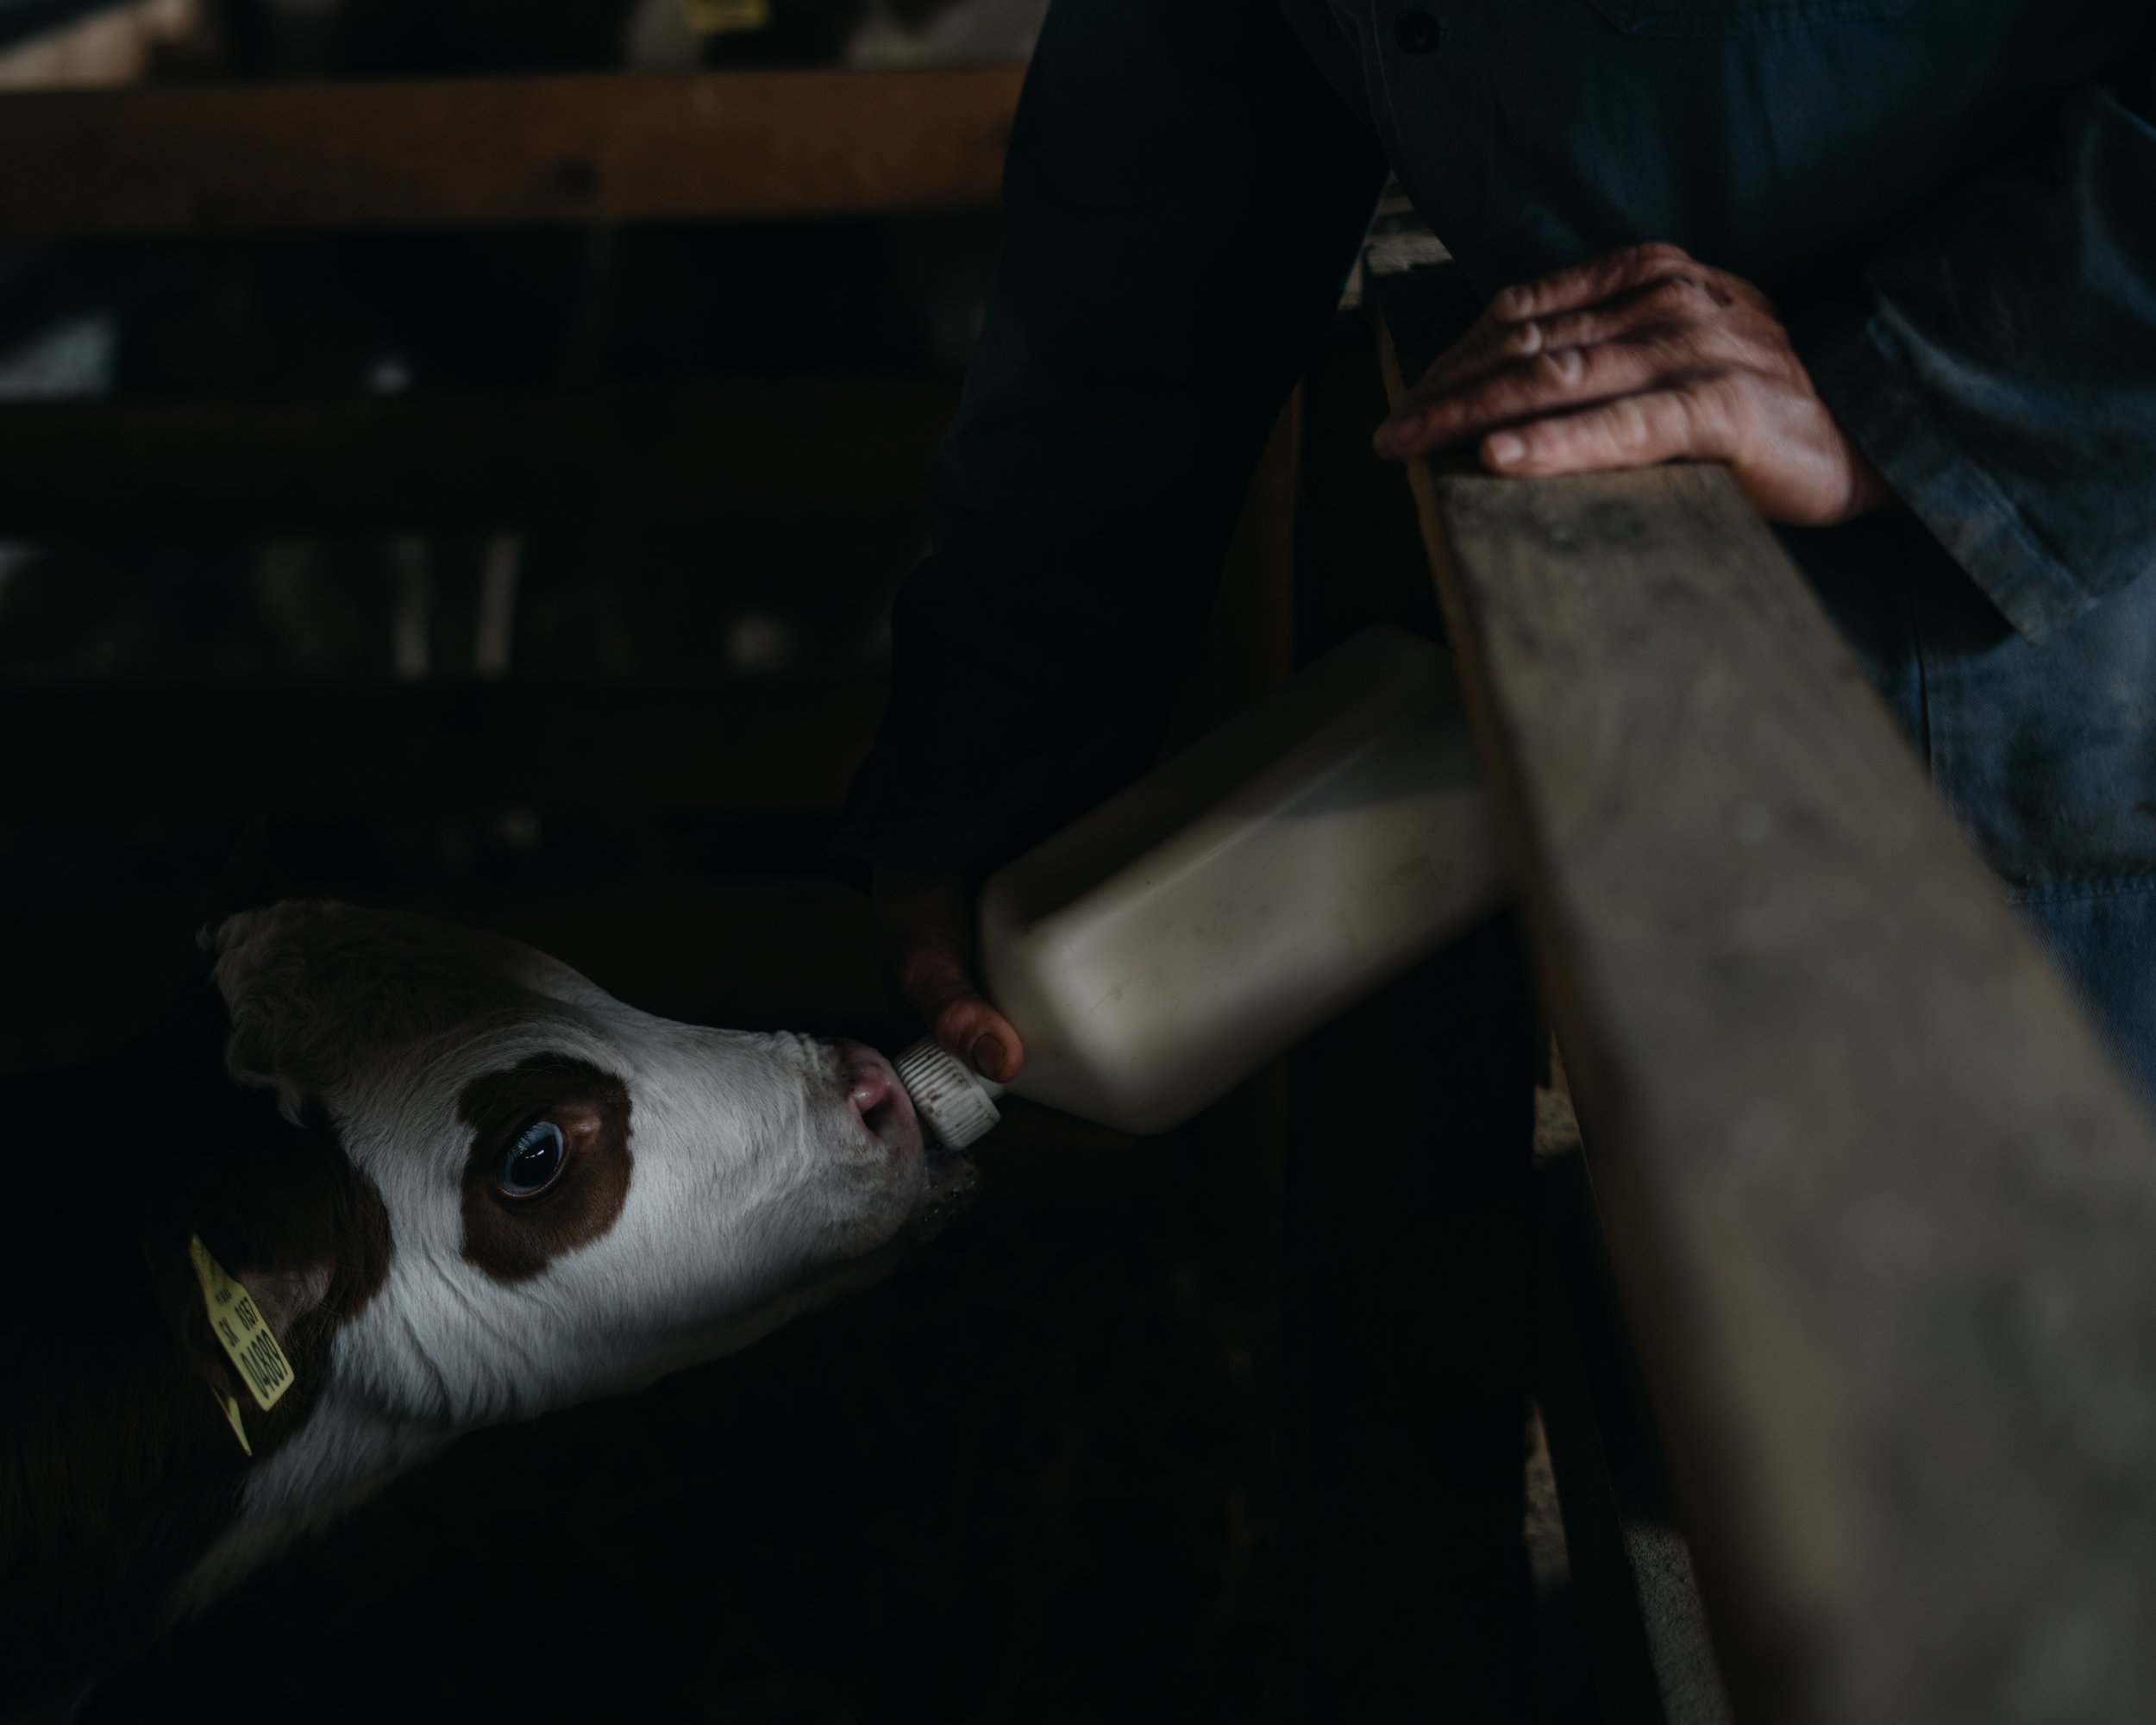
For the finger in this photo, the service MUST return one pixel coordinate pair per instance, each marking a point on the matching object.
(925, 926)
(1678, 295)
(938, 984)
(1629, 317)
(1716, 313)
(1589, 283)
(1492, 345)
(1561, 381)
(1488, 344)
(1635, 431)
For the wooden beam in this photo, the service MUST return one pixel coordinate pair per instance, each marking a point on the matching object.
(709, 146)
(240, 468)
(1881, 1205)
(206, 751)
(1631, 1570)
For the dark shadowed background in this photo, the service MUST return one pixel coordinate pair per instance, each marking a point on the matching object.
(1226, 1426)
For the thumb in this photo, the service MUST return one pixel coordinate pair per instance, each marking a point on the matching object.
(960, 1018)
(924, 932)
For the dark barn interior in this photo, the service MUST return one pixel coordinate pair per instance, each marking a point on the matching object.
(462, 458)
(290, 581)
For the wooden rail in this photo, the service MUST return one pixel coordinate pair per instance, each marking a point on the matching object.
(200, 751)
(233, 468)
(505, 150)
(1883, 1212)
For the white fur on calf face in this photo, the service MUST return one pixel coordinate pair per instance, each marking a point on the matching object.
(753, 1184)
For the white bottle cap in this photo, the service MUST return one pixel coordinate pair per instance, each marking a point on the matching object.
(955, 1106)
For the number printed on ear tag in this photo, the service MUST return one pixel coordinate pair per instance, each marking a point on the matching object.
(240, 1328)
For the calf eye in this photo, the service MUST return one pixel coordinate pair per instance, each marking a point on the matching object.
(529, 1164)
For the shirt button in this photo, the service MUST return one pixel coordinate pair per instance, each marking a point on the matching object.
(1415, 30)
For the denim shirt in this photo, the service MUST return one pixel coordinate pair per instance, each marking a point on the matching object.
(1952, 201)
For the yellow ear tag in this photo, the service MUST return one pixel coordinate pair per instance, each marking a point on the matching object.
(246, 1337)
(231, 1406)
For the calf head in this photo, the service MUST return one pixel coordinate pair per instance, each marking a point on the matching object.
(463, 1185)
(579, 1196)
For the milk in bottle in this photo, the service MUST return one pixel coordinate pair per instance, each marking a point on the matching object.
(1160, 949)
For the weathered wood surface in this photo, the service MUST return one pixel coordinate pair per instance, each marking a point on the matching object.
(1632, 1569)
(248, 467)
(125, 753)
(1883, 1211)
(207, 159)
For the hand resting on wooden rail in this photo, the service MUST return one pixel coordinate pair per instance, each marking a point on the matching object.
(1633, 358)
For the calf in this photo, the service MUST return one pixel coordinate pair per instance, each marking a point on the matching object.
(460, 1185)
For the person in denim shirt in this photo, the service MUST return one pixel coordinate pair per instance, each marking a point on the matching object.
(1893, 260)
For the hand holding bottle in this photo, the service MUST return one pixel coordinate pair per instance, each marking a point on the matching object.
(925, 932)
(1167, 943)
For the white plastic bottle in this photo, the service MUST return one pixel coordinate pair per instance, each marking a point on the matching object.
(1158, 951)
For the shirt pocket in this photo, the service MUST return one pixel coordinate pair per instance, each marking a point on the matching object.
(1740, 17)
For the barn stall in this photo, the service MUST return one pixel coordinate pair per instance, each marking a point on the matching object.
(514, 545)
(464, 465)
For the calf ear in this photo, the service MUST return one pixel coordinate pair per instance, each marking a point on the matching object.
(287, 1215)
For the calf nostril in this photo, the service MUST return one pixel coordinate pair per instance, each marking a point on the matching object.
(875, 1099)
(877, 1102)
(871, 1092)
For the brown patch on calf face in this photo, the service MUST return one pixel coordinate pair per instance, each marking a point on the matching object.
(513, 1238)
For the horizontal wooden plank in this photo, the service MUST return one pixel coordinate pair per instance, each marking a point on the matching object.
(1881, 1206)
(207, 158)
(238, 468)
(202, 751)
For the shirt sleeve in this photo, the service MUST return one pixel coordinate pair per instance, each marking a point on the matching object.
(1184, 198)
(2002, 370)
